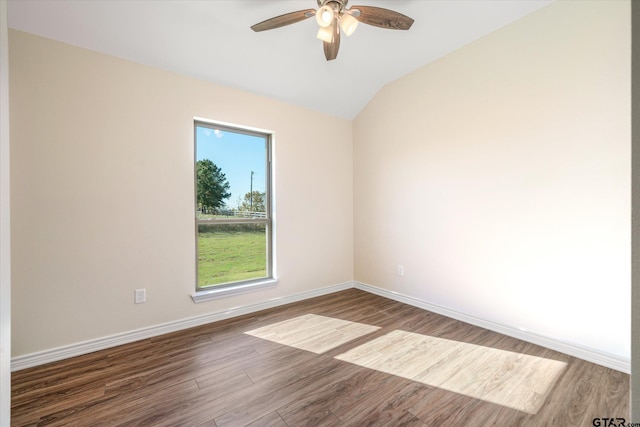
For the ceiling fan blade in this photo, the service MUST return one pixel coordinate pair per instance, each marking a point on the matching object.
(282, 20)
(331, 48)
(383, 18)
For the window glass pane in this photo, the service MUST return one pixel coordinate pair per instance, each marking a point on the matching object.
(230, 173)
(232, 206)
(231, 253)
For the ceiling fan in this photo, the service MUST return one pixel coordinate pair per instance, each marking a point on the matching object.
(333, 15)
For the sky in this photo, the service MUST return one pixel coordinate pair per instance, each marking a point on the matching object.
(237, 155)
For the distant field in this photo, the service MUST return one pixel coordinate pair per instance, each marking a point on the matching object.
(229, 254)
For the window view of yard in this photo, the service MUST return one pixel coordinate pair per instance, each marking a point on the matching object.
(230, 253)
(232, 205)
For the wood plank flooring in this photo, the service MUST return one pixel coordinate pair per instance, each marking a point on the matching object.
(225, 374)
(512, 379)
(314, 333)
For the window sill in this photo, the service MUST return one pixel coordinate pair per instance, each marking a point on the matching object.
(211, 294)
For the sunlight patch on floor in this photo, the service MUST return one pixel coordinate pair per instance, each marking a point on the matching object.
(518, 381)
(312, 332)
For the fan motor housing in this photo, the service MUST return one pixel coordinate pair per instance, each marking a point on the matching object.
(341, 4)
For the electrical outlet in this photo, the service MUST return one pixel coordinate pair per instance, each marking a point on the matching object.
(400, 270)
(140, 296)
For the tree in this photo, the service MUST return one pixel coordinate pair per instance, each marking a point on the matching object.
(253, 202)
(212, 186)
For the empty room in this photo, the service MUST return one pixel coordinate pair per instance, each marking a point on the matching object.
(316, 212)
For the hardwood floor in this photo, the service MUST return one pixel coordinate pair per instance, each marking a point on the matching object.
(314, 333)
(367, 361)
(519, 381)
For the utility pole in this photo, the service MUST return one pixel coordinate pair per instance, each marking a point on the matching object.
(251, 194)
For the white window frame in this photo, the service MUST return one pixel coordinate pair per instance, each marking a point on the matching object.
(232, 288)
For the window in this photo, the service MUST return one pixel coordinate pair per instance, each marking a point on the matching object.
(233, 218)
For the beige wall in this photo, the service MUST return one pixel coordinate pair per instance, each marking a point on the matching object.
(635, 222)
(5, 227)
(102, 193)
(499, 176)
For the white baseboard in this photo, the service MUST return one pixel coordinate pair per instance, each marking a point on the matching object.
(40, 358)
(85, 347)
(608, 360)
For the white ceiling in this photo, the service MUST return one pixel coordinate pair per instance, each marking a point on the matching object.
(212, 40)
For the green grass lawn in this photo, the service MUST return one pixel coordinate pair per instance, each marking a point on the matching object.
(230, 253)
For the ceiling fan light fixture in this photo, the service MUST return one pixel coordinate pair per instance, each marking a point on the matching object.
(325, 34)
(324, 16)
(333, 17)
(348, 24)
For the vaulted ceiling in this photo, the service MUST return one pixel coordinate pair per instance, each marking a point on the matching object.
(211, 40)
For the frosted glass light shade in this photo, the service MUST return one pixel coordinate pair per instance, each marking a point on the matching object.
(325, 34)
(324, 16)
(348, 24)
